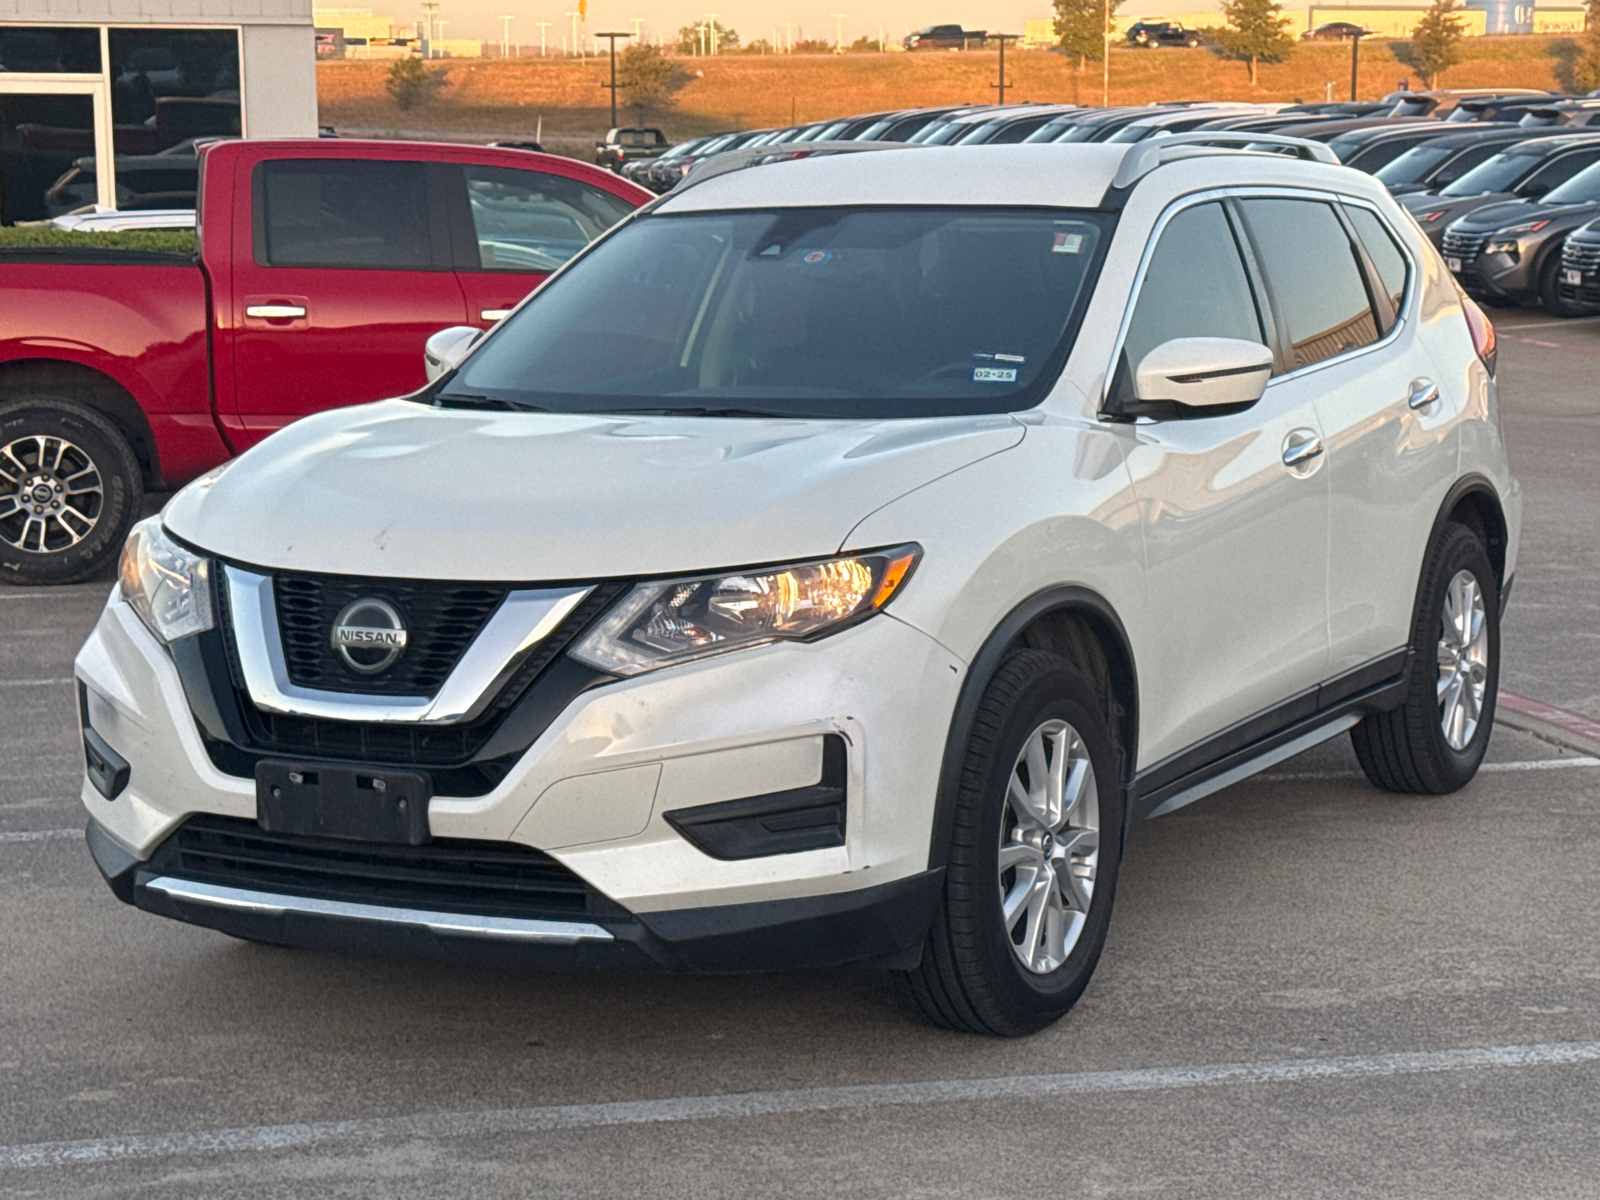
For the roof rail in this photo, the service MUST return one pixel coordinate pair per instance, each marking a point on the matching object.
(738, 160)
(1145, 156)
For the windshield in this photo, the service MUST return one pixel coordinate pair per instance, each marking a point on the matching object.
(1498, 174)
(1412, 165)
(850, 313)
(1582, 188)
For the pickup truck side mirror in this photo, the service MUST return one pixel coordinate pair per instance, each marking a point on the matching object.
(1200, 377)
(445, 350)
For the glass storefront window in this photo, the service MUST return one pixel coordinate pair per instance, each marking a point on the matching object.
(39, 49)
(172, 85)
(46, 142)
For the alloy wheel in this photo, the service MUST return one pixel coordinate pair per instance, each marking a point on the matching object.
(1049, 846)
(1463, 659)
(51, 494)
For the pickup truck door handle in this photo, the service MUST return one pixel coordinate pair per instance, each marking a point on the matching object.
(1423, 393)
(1301, 447)
(494, 314)
(275, 312)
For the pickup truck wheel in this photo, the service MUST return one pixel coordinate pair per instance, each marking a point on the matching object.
(70, 489)
(1433, 743)
(1035, 846)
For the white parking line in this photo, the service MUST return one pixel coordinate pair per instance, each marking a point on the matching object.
(798, 1100)
(40, 835)
(59, 679)
(1540, 764)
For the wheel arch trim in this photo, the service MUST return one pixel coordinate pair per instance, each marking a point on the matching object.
(20, 374)
(1067, 599)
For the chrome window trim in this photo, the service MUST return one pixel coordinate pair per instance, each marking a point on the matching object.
(1274, 192)
(275, 904)
(525, 619)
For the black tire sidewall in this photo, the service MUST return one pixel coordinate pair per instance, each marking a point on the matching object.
(119, 474)
(1459, 549)
(1025, 1001)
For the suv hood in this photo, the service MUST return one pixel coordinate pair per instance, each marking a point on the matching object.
(401, 490)
(1498, 216)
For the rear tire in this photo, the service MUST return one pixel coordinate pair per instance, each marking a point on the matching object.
(1035, 847)
(1434, 742)
(70, 489)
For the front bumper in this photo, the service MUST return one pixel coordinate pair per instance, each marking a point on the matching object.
(592, 793)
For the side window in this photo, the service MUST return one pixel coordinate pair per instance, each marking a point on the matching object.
(1196, 286)
(531, 221)
(1458, 166)
(333, 212)
(1314, 275)
(1557, 172)
(1381, 249)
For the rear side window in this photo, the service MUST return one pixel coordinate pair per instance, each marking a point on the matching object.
(1196, 286)
(1558, 171)
(342, 213)
(1382, 250)
(1314, 275)
(533, 221)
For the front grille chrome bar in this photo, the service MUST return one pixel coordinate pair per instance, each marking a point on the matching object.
(273, 904)
(525, 619)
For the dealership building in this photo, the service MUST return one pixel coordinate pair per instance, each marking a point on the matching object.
(101, 100)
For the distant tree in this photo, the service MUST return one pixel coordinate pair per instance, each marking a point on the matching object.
(812, 46)
(1082, 26)
(410, 83)
(1256, 32)
(866, 45)
(1586, 70)
(647, 79)
(727, 39)
(695, 39)
(1436, 40)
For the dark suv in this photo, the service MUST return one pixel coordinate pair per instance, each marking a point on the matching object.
(1153, 34)
(1525, 171)
(1511, 253)
(1579, 281)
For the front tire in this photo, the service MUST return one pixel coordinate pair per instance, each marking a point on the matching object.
(70, 490)
(1035, 848)
(1434, 742)
(1550, 296)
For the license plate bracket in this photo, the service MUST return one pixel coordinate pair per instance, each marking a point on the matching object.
(363, 804)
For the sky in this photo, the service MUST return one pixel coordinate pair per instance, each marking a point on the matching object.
(751, 18)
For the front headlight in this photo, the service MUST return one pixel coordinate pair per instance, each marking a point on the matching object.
(168, 587)
(662, 624)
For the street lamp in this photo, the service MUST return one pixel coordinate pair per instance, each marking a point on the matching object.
(1355, 60)
(543, 25)
(1002, 38)
(711, 32)
(612, 39)
(577, 46)
(838, 32)
(505, 35)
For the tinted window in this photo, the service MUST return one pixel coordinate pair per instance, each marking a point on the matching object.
(531, 221)
(170, 85)
(1381, 249)
(1412, 165)
(1381, 153)
(1196, 286)
(1314, 275)
(1464, 162)
(1497, 174)
(1574, 167)
(872, 312)
(342, 213)
(45, 49)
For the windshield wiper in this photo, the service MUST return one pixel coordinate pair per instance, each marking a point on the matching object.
(467, 400)
(692, 410)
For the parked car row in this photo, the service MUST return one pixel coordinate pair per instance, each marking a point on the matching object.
(1449, 155)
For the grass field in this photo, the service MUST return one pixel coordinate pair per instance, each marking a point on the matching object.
(739, 91)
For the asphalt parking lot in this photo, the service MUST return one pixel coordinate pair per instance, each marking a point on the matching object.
(1311, 988)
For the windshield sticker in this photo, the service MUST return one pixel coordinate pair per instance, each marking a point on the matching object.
(994, 374)
(981, 357)
(814, 258)
(1067, 243)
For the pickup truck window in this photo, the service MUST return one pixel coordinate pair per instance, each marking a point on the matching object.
(334, 212)
(532, 221)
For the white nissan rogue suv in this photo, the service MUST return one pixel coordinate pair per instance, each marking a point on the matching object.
(836, 563)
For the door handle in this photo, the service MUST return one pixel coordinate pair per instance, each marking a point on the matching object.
(275, 312)
(1423, 393)
(494, 314)
(1300, 447)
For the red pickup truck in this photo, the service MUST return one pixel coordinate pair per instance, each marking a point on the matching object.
(322, 267)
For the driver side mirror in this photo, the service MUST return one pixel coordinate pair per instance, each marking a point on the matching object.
(1533, 189)
(445, 350)
(1199, 377)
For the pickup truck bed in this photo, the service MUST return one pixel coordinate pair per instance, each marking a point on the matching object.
(321, 270)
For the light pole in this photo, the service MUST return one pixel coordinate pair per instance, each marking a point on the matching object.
(543, 25)
(1002, 38)
(577, 46)
(505, 35)
(838, 32)
(429, 9)
(1355, 61)
(788, 28)
(638, 25)
(438, 26)
(1105, 58)
(711, 32)
(612, 39)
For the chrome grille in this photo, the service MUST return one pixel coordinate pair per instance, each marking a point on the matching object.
(1581, 256)
(1465, 246)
